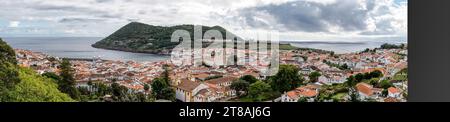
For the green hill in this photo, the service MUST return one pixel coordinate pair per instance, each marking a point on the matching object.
(25, 85)
(144, 38)
(36, 88)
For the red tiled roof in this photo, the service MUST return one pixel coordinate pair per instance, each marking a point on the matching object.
(305, 91)
(201, 76)
(390, 99)
(292, 94)
(393, 90)
(364, 88)
(188, 85)
(221, 80)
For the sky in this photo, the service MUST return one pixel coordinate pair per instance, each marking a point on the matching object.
(295, 20)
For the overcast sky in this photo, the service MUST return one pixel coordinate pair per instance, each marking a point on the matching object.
(320, 20)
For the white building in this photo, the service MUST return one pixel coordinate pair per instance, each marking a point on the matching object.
(186, 90)
(366, 91)
(393, 92)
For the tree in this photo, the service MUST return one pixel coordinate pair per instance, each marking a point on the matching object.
(257, 89)
(384, 93)
(314, 76)
(240, 86)
(391, 46)
(9, 75)
(161, 89)
(90, 83)
(35, 88)
(161, 86)
(83, 90)
(52, 75)
(302, 99)
(67, 82)
(366, 50)
(286, 79)
(7, 54)
(359, 77)
(146, 87)
(165, 74)
(141, 97)
(102, 89)
(249, 78)
(157, 85)
(117, 90)
(373, 81)
(351, 81)
(344, 66)
(366, 76)
(168, 94)
(354, 95)
(376, 73)
(386, 84)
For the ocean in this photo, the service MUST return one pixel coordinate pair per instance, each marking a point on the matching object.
(80, 47)
(77, 47)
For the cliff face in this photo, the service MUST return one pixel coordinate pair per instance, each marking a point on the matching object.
(143, 38)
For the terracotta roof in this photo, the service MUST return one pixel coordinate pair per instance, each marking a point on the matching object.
(401, 65)
(254, 74)
(221, 80)
(393, 90)
(382, 70)
(364, 88)
(188, 85)
(201, 76)
(390, 99)
(202, 92)
(216, 73)
(292, 94)
(199, 68)
(305, 91)
(308, 93)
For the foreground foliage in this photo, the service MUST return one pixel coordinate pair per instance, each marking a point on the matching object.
(35, 88)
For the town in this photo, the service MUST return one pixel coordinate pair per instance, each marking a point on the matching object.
(310, 75)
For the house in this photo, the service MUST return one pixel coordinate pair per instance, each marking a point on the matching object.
(359, 65)
(325, 79)
(393, 92)
(309, 91)
(305, 71)
(223, 81)
(298, 58)
(222, 84)
(366, 91)
(196, 70)
(186, 90)
(206, 95)
(200, 76)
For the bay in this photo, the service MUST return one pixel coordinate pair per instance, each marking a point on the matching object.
(77, 47)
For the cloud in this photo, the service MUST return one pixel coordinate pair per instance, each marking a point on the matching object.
(79, 20)
(14, 24)
(104, 1)
(361, 16)
(296, 19)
